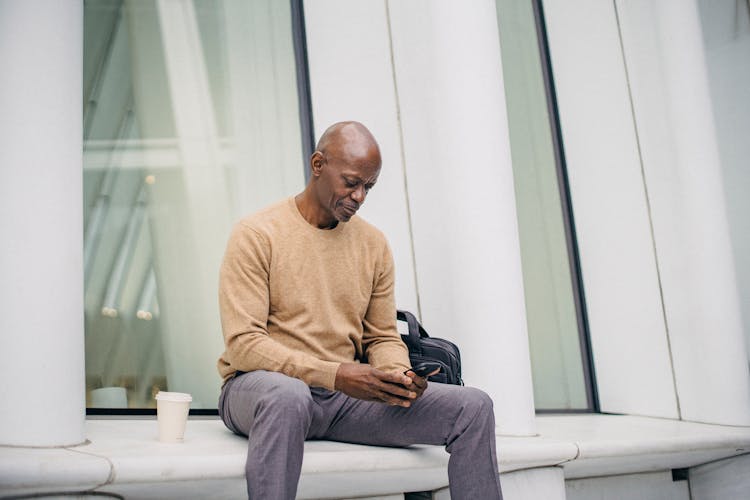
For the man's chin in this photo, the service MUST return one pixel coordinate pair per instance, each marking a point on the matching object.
(344, 215)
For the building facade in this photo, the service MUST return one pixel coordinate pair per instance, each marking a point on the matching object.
(563, 188)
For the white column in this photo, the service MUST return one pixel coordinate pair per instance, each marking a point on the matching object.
(460, 185)
(41, 290)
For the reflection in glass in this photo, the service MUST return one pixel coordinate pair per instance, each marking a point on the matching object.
(190, 121)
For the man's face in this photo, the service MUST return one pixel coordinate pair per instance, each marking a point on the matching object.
(345, 180)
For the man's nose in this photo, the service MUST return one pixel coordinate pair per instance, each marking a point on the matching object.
(359, 194)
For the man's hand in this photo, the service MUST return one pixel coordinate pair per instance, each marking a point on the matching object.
(418, 384)
(362, 381)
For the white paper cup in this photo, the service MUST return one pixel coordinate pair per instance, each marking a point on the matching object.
(172, 412)
(109, 397)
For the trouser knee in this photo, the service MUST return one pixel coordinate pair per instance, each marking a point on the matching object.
(265, 398)
(477, 406)
(474, 421)
(476, 401)
(287, 398)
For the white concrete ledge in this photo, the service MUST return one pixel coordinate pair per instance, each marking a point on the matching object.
(619, 444)
(124, 457)
(26, 470)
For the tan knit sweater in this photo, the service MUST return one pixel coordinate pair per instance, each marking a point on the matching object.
(301, 300)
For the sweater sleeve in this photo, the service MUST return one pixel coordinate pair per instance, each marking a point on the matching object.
(244, 305)
(381, 341)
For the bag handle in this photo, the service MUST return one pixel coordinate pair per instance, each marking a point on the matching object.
(416, 331)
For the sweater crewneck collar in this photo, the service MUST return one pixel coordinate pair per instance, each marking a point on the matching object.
(302, 221)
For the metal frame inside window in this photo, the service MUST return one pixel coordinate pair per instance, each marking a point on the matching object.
(303, 83)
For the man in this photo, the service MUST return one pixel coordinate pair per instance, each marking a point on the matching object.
(312, 351)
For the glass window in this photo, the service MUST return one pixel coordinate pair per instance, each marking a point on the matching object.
(191, 119)
(726, 34)
(553, 312)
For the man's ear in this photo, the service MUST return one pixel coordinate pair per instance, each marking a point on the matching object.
(316, 163)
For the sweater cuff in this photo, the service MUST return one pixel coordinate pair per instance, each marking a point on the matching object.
(325, 375)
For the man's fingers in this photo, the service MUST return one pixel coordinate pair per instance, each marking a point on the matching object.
(393, 377)
(393, 400)
(397, 390)
(393, 384)
(420, 382)
(364, 382)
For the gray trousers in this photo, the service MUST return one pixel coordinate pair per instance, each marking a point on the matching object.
(279, 413)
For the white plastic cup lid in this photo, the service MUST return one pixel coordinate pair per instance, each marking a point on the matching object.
(179, 397)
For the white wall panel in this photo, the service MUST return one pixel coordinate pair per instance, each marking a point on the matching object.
(723, 480)
(532, 484)
(460, 183)
(665, 55)
(351, 78)
(621, 286)
(654, 486)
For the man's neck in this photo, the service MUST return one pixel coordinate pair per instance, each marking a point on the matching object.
(312, 213)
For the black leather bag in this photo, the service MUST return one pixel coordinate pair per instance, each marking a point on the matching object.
(423, 348)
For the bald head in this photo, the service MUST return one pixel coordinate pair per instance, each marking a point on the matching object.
(348, 140)
(343, 169)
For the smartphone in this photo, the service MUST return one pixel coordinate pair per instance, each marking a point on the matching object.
(424, 369)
